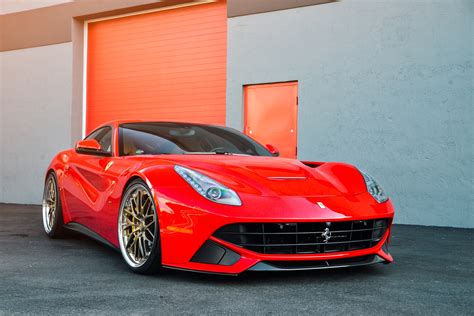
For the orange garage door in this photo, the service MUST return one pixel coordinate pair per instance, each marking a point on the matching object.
(165, 65)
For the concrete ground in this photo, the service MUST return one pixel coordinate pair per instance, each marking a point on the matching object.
(432, 274)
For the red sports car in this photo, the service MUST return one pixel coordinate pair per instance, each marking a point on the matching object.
(209, 198)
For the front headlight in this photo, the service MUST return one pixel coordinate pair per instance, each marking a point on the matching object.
(374, 188)
(208, 188)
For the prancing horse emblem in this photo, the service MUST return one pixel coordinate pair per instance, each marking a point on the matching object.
(326, 235)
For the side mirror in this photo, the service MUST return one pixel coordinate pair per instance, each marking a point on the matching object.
(91, 147)
(273, 150)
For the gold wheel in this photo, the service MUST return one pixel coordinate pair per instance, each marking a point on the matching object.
(137, 225)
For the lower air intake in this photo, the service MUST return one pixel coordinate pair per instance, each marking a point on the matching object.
(305, 238)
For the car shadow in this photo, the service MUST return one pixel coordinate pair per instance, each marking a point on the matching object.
(251, 277)
(246, 278)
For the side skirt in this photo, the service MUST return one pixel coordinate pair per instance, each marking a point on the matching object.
(89, 233)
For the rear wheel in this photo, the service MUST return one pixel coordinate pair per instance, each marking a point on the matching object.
(52, 208)
(138, 229)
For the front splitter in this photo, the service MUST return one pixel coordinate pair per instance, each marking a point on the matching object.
(316, 264)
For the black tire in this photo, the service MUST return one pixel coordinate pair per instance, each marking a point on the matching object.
(151, 260)
(53, 226)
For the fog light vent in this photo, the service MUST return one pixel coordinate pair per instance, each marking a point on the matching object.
(213, 253)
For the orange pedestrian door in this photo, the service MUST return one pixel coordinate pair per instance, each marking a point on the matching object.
(271, 112)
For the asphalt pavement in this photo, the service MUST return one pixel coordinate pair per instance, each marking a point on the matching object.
(432, 275)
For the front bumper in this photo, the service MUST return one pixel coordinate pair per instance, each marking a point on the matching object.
(226, 258)
(232, 263)
(185, 229)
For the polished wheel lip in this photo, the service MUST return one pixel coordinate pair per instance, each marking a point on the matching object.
(49, 205)
(137, 225)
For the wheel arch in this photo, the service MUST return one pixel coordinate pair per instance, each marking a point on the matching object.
(147, 183)
(149, 177)
(131, 179)
(48, 172)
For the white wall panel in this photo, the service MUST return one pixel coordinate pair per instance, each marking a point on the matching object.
(35, 119)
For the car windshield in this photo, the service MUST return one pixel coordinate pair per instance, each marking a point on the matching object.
(152, 138)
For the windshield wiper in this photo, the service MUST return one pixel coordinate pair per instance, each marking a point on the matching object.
(223, 152)
(199, 153)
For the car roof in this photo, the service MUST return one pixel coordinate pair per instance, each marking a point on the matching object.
(120, 122)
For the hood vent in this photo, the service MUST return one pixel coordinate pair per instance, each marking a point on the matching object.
(287, 178)
(311, 164)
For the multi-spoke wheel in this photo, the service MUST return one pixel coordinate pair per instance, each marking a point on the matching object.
(52, 210)
(138, 229)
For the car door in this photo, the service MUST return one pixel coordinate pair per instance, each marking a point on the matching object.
(88, 182)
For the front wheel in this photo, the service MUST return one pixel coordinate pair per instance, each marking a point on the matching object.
(138, 229)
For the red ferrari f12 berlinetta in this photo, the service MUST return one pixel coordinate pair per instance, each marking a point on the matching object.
(209, 198)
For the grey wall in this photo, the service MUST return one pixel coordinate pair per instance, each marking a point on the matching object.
(35, 117)
(385, 85)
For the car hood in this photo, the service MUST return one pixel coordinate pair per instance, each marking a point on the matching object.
(269, 176)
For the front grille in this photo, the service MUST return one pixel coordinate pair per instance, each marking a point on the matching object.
(304, 238)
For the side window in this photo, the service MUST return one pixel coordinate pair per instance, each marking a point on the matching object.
(104, 137)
